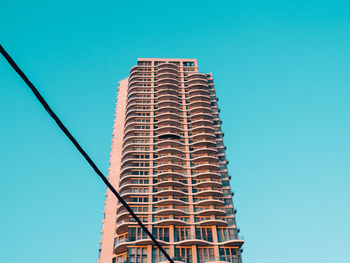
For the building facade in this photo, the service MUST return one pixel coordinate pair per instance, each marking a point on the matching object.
(168, 162)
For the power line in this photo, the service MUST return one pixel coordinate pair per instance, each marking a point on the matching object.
(80, 149)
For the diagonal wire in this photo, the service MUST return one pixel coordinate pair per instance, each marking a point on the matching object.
(79, 148)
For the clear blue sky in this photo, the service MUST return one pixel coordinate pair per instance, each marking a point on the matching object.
(282, 74)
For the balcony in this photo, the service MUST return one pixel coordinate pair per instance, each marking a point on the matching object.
(175, 191)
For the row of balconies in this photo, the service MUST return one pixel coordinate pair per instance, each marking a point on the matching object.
(197, 120)
(168, 91)
(167, 81)
(192, 134)
(172, 165)
(178, 174)
(178, 237)
(173, 182)
(205, 191)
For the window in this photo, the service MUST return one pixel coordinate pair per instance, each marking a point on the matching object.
(205, 254)
(204, 233)
(183, 254)
(225, 234)
(136, 233)
(157, 255)
(188, 64)
(161, 233)
(228, 254)
(139, 199)
(182, 233)
(137, 255)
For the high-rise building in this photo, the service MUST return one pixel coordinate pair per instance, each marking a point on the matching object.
(168, 162)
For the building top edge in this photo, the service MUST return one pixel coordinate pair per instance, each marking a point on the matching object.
(167, 59)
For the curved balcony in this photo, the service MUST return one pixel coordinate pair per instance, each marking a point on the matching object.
(129, 134)
(126, 162)
(173, 192)
(134, 110)
(132, 129)
(170, 201)
(128, 183)
(208, 201)
(205, 166)
(130, 153)
(210, 211)
(224, 259)
(131, 107)
(170, 115)
(204, 150)
(136, 84)
(203, 143)
(136, 121)
(196, 81)
(170, 221)
(195, 75)
(137, 79)
(198, 136)
(168, 81)
(199, 115)
(130, 125)
(122, 227)
(127, 176)
(135, 69)
(138, 88)
(212, 222)
(128, 192)
(135, 75)
(174, 128)
(171, 150)
(176, 260)
(207, 183)
(198, 97)
(169, 143)
(168, 75)
(169, 165)
(207, 174)
(168, 122)
(168, 109)
(205, 158)
(174, 174)
(129, 144)
(171, 211)
(123, 215)
(200, 110)
(167, 70)
(172, 135)
(169, 158)
(233, 242)
(200, 123)
(192, 240)
(209, 192)
(127, 169)
(198, 90)
(169, 182)
(167, 66)
(137, 95)
(168, 104)
(198, 104)
(122, 247)
(167, 87)
(168, 95)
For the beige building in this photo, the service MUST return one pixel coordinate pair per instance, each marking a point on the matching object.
(168, 162)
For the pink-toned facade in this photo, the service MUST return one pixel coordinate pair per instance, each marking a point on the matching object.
(168, 162)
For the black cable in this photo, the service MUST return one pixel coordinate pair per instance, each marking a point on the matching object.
(80, 149)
